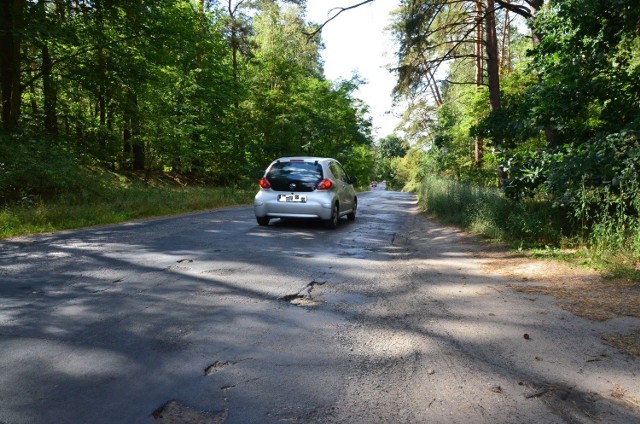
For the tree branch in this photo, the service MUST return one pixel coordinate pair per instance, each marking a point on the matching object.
(80, 51)
(516, 8)
(338, 10)
(448, 81)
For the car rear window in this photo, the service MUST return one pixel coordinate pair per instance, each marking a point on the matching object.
(294, 176)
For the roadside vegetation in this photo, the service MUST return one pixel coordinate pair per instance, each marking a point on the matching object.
(122, 111)
(111, 198)
(531, 138)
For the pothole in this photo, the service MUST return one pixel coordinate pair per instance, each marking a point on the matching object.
(185, 261)
(216, 367)
(173, 412)
(303, 297)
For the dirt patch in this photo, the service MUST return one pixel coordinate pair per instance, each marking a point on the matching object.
(629, 343)
(581, 291)
(565, 401)
(620, 394)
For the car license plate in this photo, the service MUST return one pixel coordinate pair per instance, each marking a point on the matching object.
(296, 198)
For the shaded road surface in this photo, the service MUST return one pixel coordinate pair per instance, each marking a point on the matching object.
(209, 318)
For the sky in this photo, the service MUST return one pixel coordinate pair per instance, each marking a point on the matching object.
(356, 41)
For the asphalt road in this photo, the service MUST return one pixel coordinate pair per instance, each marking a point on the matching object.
(209, 318)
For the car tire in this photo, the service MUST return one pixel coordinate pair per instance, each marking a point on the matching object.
(263, 221)
(351, 216)
(332, 222)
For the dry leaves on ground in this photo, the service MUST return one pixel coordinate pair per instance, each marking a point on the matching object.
(578, 290)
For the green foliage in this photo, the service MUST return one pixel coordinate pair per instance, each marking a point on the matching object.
(176, 88)
(512, 126)
(587, 62)
(360, 164)
(32, 169)
(114, 201)
(451, 150)
(389, 153)
(487, 211)
(392, 146)
(294, 110)
(566, 135)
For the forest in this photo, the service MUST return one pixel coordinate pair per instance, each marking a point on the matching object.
(209, 91)
(523, 116)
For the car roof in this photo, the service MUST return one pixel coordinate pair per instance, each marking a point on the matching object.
(307, 159)
(303, 158)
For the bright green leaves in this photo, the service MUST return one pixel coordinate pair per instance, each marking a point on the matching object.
(179, 86)
(294, 109)
(569, 124)
(586, 69)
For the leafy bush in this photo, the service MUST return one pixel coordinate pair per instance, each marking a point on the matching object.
(37, 168)
(596, 184)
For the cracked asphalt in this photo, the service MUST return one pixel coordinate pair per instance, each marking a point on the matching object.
(209, 318)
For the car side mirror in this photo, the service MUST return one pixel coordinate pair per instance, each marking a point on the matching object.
(353, 180)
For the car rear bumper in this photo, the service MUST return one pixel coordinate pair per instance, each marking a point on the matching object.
(318, 205)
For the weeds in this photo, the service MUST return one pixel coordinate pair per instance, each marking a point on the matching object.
(612, 244)
(487, 211)
(112, 203)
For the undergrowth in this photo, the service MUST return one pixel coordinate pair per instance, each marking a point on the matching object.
(535, 225)
(486, 211)
(112, 198)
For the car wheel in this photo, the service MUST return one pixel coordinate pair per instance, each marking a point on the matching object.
(351, 216)
(332, 222)
(263, 221)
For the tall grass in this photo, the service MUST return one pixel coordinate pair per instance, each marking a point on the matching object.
(486, 211)
(610, 243)
(614, 231)
(113, 204)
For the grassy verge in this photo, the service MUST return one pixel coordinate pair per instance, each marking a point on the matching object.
(113, 204)
(531, 225)
(486, 211)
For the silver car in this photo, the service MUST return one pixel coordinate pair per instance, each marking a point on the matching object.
(306, 187)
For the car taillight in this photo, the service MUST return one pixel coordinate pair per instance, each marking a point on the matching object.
(264, 183)
(324, 185)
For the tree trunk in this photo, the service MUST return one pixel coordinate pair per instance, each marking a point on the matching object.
(102, 102)
(126, 145)
(102, 82)
(528, 12)
(33, 69)
(49, 92)
(536, 5)
(492, 56)
(505, 49)
(137, 144)
(201, 17)
(11, 25)
(234, 52)
(433, 85)
(479, 52)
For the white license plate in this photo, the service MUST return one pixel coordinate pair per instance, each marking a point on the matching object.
(295, 198)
